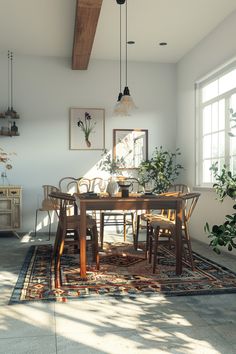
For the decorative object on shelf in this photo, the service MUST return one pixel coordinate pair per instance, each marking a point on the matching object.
(11, 113)
(87, 126)
(14, 128)
(126, 104)
(162, 168)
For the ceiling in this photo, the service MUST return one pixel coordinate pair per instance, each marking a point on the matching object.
(46, 27)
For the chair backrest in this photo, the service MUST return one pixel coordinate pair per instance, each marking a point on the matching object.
(178, 187)
(189, 205)
(47, 202)
(64, 200)
(69, 184)
(95, 184)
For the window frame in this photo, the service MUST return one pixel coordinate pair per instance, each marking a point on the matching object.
(199, 106)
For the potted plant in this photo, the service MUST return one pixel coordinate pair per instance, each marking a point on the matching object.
(112, 166)
(162, 169)
(223, 235)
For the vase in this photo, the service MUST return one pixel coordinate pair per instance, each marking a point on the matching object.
(112, 187)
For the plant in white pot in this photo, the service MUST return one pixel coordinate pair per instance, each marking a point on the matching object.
(112, 166)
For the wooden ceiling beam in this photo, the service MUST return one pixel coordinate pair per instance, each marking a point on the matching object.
(86, 19)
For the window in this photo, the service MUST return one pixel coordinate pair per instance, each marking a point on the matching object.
(216, 97)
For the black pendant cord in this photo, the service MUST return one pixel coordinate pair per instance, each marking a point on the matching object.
(126, 39)
(11, 81)
(120, 51)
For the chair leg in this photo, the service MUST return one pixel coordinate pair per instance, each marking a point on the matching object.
(36, 222)
(187, 236)
(124, 221)
(49, 228)
(95, 244)
(137, 232)
(156, 238)
(133, 226)
(102, 229)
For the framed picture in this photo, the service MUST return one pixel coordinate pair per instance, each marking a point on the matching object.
(87, 127)
(130, 146)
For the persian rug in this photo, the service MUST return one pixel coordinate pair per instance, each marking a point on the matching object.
(123, 272)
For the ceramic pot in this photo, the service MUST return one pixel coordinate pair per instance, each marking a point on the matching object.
(112, 187)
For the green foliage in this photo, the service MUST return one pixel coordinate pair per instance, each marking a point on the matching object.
(225, 184)
(223, 235)
(109, 164)
(162, 168)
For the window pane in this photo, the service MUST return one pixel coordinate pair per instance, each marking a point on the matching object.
(227, 82)
(210, 91)
(207, 119)
(222, 114)
(207, 146)
(221, 144)
(215, 125)
(233, 164)
(215, 145)
(206, 171)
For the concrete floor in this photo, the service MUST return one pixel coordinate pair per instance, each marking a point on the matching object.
(191, 324)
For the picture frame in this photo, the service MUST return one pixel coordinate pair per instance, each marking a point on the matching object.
(130, 145)
(86, 129)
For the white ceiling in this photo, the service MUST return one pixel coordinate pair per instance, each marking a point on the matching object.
(45, 27)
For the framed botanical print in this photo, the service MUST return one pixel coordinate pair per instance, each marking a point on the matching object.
(87, 129)
(130, 146)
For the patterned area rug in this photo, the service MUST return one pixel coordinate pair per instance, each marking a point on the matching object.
(123, 272)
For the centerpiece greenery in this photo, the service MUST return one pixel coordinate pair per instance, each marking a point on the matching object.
(223, 235)
(162, 168)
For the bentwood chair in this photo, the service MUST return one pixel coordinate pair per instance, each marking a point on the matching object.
(70, 225)
(46, 206)
(148, 215)
(166, 226)
(122, 218)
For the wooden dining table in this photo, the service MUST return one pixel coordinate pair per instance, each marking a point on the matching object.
(143, 202)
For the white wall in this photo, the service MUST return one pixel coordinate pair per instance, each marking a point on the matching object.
(213, 51)
(45, 88)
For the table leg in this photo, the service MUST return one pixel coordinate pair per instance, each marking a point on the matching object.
(178, 237)
(83, 241)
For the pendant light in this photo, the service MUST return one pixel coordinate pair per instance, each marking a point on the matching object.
(117, 110)
(127, 104)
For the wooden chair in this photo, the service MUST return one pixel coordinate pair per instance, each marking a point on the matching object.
(46, 206)
(120, 217)
(157, 225)
(70, 224)
(148, 215)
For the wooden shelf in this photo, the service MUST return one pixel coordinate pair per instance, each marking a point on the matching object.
(8, 133)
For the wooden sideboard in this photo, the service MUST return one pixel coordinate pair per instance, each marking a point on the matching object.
(10, 208)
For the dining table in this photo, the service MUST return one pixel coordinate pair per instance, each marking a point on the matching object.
(88, 202)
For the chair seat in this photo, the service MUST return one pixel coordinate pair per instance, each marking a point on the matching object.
(73, 222)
